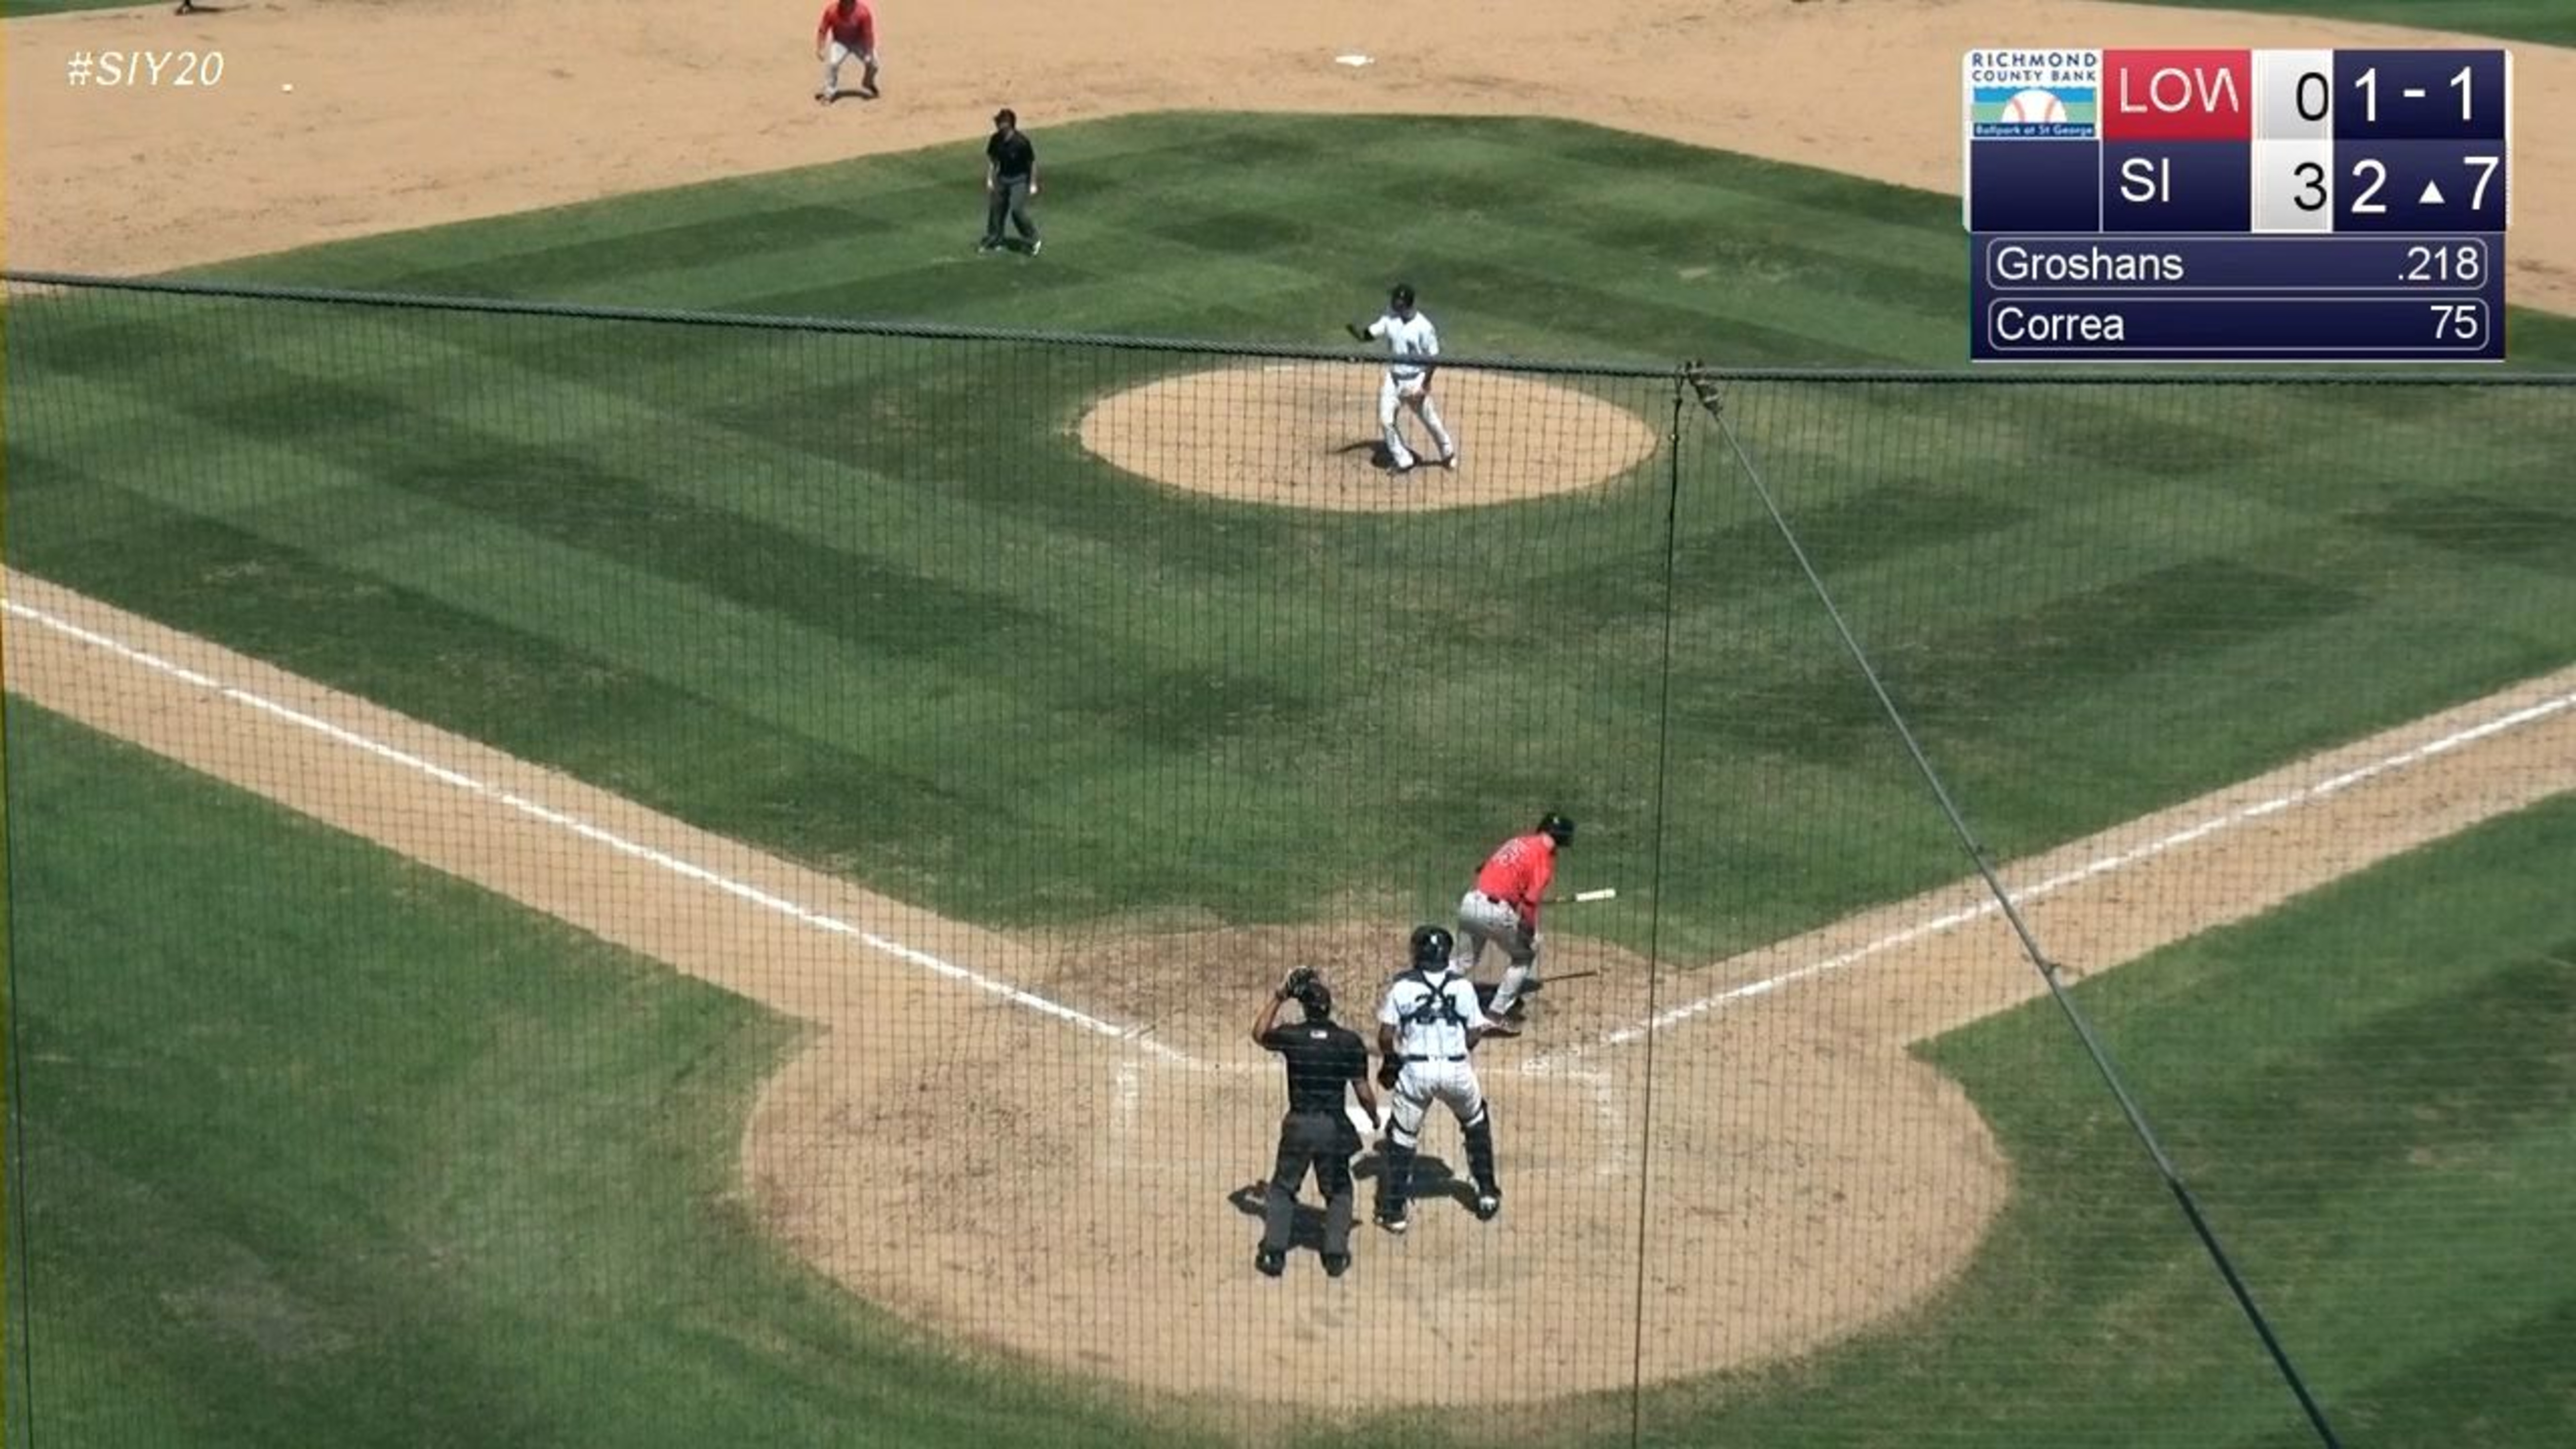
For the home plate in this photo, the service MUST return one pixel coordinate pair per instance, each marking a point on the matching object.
(1350, 60)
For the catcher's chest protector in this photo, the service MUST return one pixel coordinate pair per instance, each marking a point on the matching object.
(1438, 1009)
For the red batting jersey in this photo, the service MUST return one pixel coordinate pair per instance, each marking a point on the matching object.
(1519, 871)
(856, 28)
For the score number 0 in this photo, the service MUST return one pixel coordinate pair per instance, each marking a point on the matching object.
(2314, 196)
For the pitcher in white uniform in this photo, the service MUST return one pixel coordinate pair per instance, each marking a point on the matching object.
(1409, 335)
(1427, 1026)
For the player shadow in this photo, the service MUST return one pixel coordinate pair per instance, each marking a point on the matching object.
(1432, 1177)
(1379, 457)
(196, 7)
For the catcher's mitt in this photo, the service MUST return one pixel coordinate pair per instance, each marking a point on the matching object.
(1387, 1071)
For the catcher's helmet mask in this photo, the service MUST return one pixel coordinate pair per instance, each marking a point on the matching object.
(1431, 947)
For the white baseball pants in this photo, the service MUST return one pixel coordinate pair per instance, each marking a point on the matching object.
(1482, 921)
(1389, 401)
(1452, 1084)
(838, 55)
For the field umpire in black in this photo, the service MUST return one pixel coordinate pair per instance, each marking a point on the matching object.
(1322, 1057)
(1010, 183)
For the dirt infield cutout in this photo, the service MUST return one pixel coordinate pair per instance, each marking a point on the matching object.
(366, 142)
(1013, 1141)
(1305, 435)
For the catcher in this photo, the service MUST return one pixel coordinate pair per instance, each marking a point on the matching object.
(1321, 1056)
(1409, 335)
(1428, 1024)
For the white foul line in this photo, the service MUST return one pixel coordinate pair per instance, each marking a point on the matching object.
(2514, 719)
(804, 915)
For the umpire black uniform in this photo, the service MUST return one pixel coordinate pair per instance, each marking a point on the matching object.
(1322, 1058)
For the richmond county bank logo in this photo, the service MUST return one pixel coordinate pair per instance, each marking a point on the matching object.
(2033, 94)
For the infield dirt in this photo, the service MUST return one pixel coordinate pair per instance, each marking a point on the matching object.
(1020, 1180)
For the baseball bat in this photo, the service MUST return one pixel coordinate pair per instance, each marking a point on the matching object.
(1606, 893)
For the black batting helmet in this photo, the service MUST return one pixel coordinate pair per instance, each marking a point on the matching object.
(1431, 946)
(1556, 827)
(1401, 296)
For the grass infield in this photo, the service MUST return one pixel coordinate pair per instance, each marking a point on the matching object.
(868, 603)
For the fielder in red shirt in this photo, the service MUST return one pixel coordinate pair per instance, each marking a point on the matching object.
(1503, 905)
(848, 28)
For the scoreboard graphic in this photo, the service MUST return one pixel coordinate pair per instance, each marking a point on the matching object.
(2237, 205)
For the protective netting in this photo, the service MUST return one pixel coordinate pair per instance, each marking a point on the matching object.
(655, 878)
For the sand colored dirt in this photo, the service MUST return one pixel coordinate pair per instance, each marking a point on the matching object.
(1304, 435)
(1021, 1179)
(1018, 1179)
(441, 110)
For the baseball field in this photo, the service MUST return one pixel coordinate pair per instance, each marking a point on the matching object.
(647, 801)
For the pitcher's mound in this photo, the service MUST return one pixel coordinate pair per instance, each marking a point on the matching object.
(1304, 435)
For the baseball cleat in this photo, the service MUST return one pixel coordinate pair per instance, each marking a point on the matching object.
(1271, 1262)
(1450, 462)
(1336, 1264)
(1035, 247)
(1393, 1222)
(1488, 1203)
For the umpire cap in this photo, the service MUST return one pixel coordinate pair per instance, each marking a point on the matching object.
(1318, 999)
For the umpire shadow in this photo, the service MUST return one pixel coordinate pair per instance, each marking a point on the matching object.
(1305, 1229)
(1432, 1177)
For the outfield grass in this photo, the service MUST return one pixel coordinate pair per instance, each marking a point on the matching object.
(451, 1173)
(2550, 22)
(324, 1147)
(865, 602)
(20, 8)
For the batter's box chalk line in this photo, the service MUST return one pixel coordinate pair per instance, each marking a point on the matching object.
(2213, 824)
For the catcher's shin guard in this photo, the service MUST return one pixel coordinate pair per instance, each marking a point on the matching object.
(1395, 1179)
(1480, 1150)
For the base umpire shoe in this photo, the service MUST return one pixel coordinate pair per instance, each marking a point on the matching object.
(1488, 1203)
(1271, 1263)
(1336, 1264)
(1392, 1222)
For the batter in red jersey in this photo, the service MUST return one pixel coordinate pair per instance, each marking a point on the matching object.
(1502, 908)
(848, 28)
